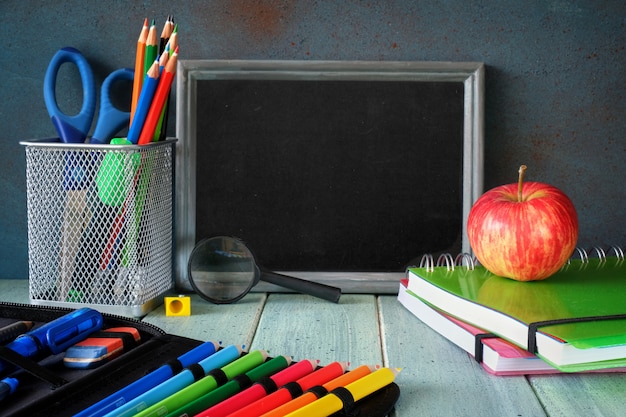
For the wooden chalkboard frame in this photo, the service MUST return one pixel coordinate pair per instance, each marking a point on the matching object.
(189, 72)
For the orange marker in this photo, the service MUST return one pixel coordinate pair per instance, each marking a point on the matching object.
(158, 101)
(286, 394)
(332, 403)
(310, 396)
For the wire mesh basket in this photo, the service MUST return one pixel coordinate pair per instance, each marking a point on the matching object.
(99, 224)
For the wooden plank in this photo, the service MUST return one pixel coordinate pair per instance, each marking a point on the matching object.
(440, 379)
(578, 394)
(229, 323)
(309, 328)
(14, 291)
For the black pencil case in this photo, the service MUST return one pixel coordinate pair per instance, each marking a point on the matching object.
(50, 388)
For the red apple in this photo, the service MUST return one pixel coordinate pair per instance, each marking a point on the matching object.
(525, 231)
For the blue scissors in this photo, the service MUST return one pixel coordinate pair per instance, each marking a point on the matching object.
(74, 129)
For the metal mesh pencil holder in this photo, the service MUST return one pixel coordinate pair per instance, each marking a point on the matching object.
(100, 224)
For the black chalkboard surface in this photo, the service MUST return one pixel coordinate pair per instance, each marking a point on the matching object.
(330, 170)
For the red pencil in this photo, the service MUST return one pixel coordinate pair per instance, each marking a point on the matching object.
(139, 67)
(284, 394)
(258, 390)
(158, 101)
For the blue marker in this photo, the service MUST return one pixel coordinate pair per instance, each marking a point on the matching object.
(148, 382)
(7, 387)
(56, 336)
(176, 383)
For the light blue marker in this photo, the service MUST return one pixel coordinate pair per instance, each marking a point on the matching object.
(176, 383)
(151, 380)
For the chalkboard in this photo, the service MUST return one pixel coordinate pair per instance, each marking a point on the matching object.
(329, 170)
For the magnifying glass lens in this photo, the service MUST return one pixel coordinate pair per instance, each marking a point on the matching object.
(221, 270)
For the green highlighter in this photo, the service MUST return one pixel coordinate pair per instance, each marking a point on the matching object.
(202, 402)
(115, 174)
(207, 384)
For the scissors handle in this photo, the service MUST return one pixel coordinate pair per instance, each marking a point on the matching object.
(71, 129)
(111, 120)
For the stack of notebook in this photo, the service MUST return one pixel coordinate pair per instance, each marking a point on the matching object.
(572, 322)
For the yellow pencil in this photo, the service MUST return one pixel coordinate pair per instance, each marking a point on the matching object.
(330, 403)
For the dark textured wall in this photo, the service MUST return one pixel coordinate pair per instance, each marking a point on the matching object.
(555, 95)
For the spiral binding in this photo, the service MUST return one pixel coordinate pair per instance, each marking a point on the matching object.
(446, 259)
(469, 261)
(597, 252)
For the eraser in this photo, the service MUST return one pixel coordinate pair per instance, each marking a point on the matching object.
(178, 306)
(101, 347)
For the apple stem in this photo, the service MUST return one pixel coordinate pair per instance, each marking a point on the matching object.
(522, 170)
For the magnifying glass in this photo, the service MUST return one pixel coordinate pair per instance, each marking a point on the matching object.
(222, 270)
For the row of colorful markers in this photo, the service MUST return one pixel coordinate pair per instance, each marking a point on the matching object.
(240, 384)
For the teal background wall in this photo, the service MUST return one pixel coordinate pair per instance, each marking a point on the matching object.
(555, 90)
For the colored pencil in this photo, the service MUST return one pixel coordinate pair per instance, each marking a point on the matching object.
(162, 63)
(149, 381)
(139, 68)
(152, 47)
(331, 403)
(161, 129)
(160, 96)
(174, 39)
(207, 384)
(258, 390)
(232, 387)
(312, 395)
(168, 27)
(286, 394)
(145, 100)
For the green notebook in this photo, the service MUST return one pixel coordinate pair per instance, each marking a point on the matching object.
(592, 289)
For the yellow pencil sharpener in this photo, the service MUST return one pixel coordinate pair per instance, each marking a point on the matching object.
(178, 306)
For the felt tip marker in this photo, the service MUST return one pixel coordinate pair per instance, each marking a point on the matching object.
(232, 387)
(210, 382)
(316, 392)
(177, 382)
(332, 403)
(149, 381)
(291, 391)
(259, 389)
(55, 336)
(7, 387)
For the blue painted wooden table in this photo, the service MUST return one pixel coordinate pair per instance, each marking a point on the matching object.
(437, 378)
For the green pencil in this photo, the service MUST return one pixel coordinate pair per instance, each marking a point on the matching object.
(207, 400)
(206, 384)
(152, 48)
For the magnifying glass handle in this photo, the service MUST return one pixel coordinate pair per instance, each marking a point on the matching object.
(315, 289)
